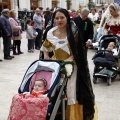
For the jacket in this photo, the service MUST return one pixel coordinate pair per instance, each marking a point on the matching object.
(5, 26)
(85, 28)
(15, 27)
(38, 21)
(29, 32)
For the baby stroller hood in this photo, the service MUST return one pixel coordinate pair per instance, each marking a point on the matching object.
(37, 66)
(106, 39)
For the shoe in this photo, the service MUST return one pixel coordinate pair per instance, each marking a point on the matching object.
(20, 52)
(7, 58)
(29, 51)
(15, 53)
(0, 60)
(11, 56)
(37, 48)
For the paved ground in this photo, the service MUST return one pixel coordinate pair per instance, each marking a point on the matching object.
(12, 72)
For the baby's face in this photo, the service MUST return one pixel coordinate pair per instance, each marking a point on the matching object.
(110, 47)
(39, 86)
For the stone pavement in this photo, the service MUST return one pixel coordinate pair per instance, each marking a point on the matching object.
(12, 72)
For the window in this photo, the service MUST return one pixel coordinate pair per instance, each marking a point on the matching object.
(4, 0)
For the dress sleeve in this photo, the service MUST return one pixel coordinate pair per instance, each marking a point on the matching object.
(46, 46)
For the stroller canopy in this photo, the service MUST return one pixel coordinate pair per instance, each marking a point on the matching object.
(37, 66)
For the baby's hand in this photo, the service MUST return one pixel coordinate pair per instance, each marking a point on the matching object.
(41, 96)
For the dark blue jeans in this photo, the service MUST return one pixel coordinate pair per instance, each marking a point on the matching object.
(30, 44)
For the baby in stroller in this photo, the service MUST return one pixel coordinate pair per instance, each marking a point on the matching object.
(41, 76)
(39, 88)
(105, 61)
(111, 47)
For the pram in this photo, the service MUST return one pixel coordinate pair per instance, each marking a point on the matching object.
(51, 71)
(105, 62)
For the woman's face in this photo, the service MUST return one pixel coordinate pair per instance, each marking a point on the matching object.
(14, 14)
(60, 20)
(112, 11)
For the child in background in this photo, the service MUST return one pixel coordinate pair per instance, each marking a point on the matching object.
(111, 47)
(30, 36)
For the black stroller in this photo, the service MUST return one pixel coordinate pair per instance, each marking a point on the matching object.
(51, 71)
(105, 62)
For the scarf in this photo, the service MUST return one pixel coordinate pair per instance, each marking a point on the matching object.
(18, 23)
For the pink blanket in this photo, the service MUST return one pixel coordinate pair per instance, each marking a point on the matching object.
(28, 108)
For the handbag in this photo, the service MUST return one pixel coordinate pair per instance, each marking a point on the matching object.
(35, 33)
(15, 33)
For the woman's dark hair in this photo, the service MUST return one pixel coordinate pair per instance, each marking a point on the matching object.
(27, 22)
(69, 30)
(51, 24)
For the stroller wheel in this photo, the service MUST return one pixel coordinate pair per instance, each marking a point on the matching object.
(94, 80)
(109, 81)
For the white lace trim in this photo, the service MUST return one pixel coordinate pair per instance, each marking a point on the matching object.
(58, 43)
(113, 21)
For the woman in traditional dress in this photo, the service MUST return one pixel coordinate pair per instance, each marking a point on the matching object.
(113, 21)
(66, 43)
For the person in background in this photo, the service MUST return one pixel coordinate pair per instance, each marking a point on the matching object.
(37, 18)
(6, 33)
(15, 27)
(65, 41)
(113, 21)
(93, 15)
(0, 40)
(77, 13)
(85, 26)
(47, 16)
(97, 23)
(30, 36)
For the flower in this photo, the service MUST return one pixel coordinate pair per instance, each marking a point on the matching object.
(69, 69)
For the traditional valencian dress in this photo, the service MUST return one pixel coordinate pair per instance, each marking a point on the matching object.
(62, 51)
(113, 23)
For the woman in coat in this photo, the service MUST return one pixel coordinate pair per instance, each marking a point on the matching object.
(15, 28)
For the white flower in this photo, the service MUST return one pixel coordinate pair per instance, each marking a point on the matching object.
(69, 69)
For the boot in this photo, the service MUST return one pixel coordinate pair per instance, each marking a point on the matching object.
(19, 51)
(14, 49)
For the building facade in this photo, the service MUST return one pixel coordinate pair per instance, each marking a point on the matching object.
(33, 4)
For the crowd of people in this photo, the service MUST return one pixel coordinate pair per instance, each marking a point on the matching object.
(70, 33)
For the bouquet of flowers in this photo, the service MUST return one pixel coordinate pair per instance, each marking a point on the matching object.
(67, 68)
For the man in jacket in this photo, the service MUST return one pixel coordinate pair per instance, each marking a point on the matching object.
(85, 26)
(37, 18)
(6, 33)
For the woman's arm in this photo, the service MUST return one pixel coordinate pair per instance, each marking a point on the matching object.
(46, 55)
(71, 58)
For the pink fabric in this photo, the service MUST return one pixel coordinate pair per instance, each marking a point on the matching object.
(15, 27)
(28, 108)
(43, 74)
